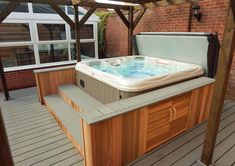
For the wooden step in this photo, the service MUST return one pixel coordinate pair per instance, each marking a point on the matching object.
(68, 118)
(80, 100)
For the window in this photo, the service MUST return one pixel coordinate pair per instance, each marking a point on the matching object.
(51, 32)
(30, 40)
(17, 56)
(14, 32)
(86, 32)
(53, 53)
(71, 11)
(87, 50)
(43, 8)
(23, 7)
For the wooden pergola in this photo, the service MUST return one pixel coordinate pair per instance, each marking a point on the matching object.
(140, 6)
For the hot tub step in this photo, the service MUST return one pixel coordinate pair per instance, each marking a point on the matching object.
(68, 119)
(80, 100)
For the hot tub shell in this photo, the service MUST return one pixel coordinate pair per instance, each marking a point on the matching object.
(108, 88)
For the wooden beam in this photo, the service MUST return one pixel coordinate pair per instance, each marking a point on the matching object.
(138, 18)
(131, 1)
(7, 10)
(103, 5)
(123, 18)
(162, 3)
(4, 82)
(79, 2)
(130, 31)
(57, 2)
(224, 66)
(59, 11)
(5, 152)
(77, 32)
(87, 15)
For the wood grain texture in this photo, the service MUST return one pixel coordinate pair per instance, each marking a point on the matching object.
(48, 82)
(121, 139)
(166, 120)
(5, 152)
(200, 105)
(114, 141)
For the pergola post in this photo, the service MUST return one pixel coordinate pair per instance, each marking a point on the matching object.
(77, 32)
(4, 82)
(130, 31)
(130, 24)
(224, 67)
(5, 157)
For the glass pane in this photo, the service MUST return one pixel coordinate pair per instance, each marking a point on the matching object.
(14, 32)
(71, 11)
(51, 32)
(86, 32)
(43, 8)
(53, 53)
(23, 7)
(87, 50)
(17, 56)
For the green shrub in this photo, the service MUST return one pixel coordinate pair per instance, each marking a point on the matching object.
(101, 32)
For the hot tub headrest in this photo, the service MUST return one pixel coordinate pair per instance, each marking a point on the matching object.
(196, 48)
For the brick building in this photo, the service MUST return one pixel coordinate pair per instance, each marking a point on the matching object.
(172, 19)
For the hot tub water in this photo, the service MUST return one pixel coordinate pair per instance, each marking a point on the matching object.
(137, 67)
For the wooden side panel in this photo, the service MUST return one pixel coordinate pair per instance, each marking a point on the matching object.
(200, 105)
(194, 107)
(209, 102)
(121, 139)
(113, 142)
(166, 120)
(48, 82)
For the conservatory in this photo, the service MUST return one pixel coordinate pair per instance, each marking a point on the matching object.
(35, 36)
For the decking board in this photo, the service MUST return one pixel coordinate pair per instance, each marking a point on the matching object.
(45, 155)
(40, 150)
(34, 135)
(62, 156)
(227, 158)
(36, 140)
(30, 121)
(69, 161)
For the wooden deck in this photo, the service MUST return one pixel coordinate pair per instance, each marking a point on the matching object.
(36, 138)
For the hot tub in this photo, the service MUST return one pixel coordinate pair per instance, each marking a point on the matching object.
(112, 79)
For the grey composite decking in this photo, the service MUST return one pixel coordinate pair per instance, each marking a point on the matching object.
(35, 137)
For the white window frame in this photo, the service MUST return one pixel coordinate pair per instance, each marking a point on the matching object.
(33, 19)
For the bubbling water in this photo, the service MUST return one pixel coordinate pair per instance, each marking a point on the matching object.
(134, 68)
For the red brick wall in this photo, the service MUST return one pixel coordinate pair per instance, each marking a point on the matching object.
(172, 18)
(19, 79)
